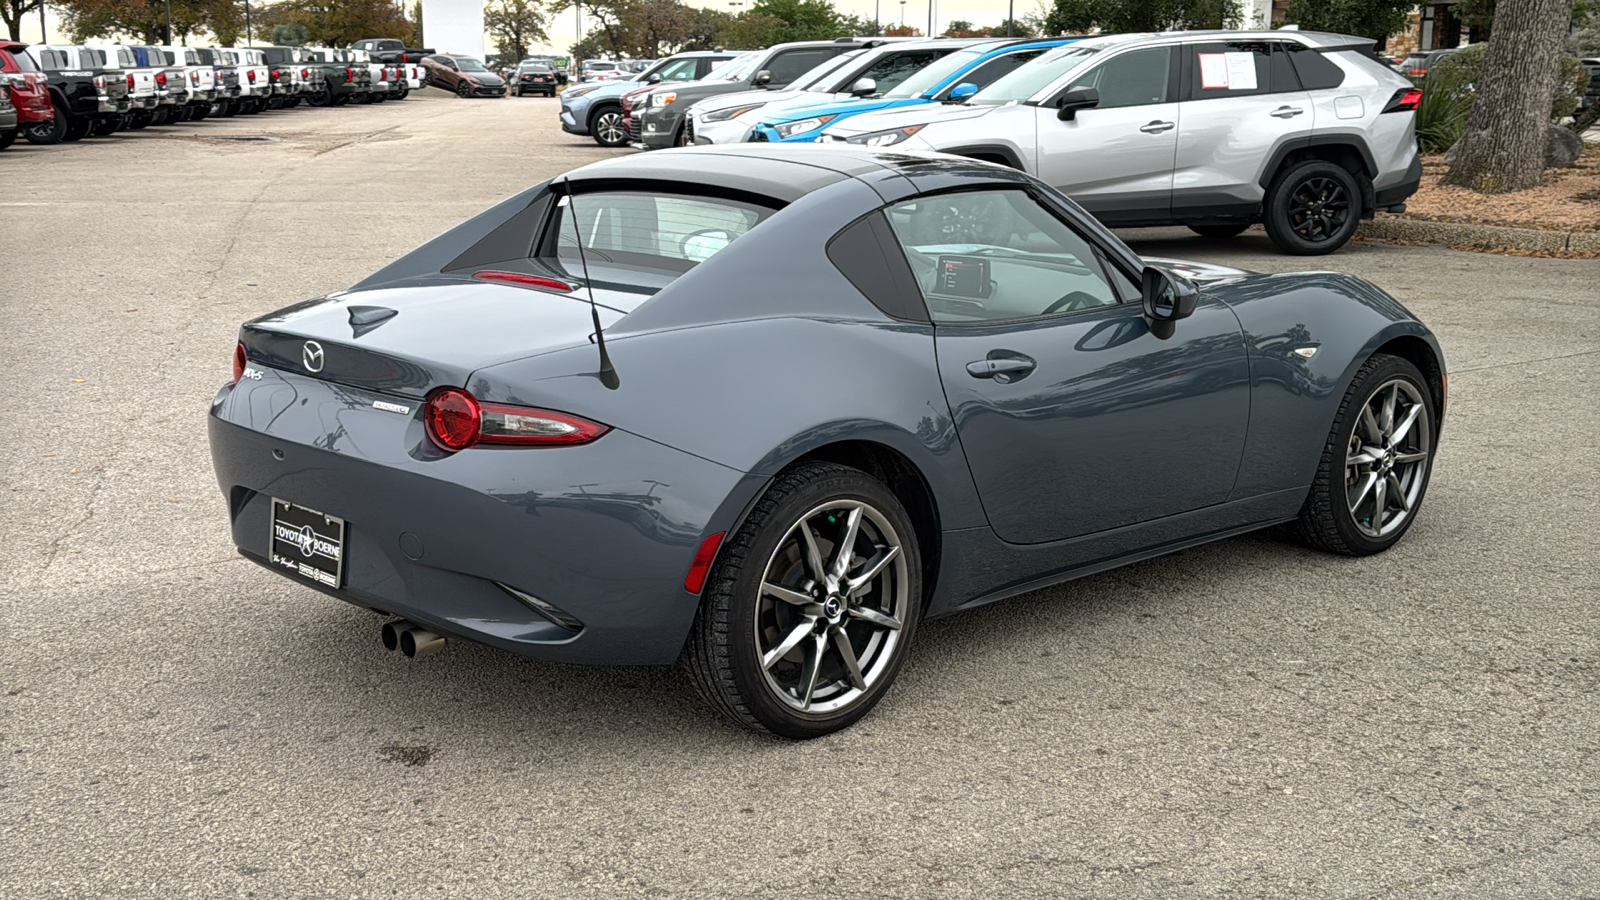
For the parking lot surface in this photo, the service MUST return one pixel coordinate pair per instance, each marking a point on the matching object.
(1249, 718)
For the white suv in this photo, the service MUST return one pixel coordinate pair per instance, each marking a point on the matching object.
(1306, 133)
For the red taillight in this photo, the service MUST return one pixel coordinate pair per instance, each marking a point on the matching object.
(452, 417)
(1416, 71)
(349, 75)
(100, 82)
(251, 74)
(194, 77)
(161, 79)
(696, 579)
(455, 420)
(305, 73)
(276, 74)
(1404, 100)
(519, 278)
(130, 81)
(240, 360)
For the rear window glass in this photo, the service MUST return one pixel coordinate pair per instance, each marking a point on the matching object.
(642, 241)
(24, 62)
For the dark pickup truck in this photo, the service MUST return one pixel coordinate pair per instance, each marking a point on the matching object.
(86, 95)
(391, 50)
(227, 81)
(343, 79)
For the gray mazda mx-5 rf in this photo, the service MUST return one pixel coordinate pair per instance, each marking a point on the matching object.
(762, 408)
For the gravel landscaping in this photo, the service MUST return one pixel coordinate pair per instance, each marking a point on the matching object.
(1568, 200)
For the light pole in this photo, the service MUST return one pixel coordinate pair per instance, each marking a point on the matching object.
(248, 41)
(877, 23)
(169, 23)
(1011, 16)
(44, 35)
(902, 13)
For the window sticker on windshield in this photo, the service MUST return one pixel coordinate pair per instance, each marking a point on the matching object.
(1228, 71)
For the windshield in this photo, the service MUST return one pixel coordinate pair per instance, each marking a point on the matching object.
(468, 64)
(1035, 76)
(739, 69)
(808, 80)
(932, 76)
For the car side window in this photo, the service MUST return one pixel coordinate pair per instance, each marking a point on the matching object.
(1235, 69)
(1136, 78)
(1316, 71)
(998, 255)
(682, 70)
(791, 64)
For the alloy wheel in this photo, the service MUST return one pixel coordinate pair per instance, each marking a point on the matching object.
(608, 127)
(1318, 209)
(833, 601)
(1386, 462)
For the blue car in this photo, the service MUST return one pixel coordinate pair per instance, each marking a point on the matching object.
(943, 81)
(596, 109)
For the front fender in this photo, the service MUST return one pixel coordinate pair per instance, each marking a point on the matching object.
(1344, 320)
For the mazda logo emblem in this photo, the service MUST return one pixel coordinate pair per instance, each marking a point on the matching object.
(311, 356)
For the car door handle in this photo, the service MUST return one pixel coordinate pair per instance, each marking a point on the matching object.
(1157, 127)
(1287, 112)
(1002, 366)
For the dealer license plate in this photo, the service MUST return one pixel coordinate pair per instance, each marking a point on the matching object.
(308, 543)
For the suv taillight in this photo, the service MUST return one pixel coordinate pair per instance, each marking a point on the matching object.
(455, 420)
(349, 75)
(130, 81)
(1404, 100)
(161, 79)
(240, 360)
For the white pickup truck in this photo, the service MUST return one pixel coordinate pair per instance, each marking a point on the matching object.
(255, 79)
(144, 95)
(379, 89)
(199, 80)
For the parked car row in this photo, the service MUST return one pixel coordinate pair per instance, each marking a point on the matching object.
(66, 92)
(1303, 132)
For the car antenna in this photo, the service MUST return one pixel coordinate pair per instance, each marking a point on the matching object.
(608, 375)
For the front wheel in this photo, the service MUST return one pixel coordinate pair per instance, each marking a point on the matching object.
(1376, 463)
(607, 128)
(463, 90)
(811, 606)
(1313, 208)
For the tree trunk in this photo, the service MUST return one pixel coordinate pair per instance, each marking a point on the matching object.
(1503, 147)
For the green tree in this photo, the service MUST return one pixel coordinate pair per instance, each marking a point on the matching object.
(961, 28)
(1010, 28)
(1504, 144)
(12, 13)
(803, 20)
(290, 34)
(1376, 19)
(146, 20)
(1114, 16)
(336, 23)
(514, 25)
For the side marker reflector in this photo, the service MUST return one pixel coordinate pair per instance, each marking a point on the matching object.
(696, 579)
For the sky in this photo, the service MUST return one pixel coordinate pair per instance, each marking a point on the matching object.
(563, 27)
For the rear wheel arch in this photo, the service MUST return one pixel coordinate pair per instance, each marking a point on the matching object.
(1347, 152)
(905, 480)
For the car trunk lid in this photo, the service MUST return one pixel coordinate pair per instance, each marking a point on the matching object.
(430, 333)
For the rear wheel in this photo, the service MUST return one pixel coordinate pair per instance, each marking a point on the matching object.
(199, 111)
(1218, 231)
(811, 605)
(606, 126)
(7, 138)
(323, 97)
(77, 129)
(158, 116)
(1376, 463)
(140, 119)
(51, 132)
(105, 127)
(1312, 208)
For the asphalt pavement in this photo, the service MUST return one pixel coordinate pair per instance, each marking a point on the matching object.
(1246, 719)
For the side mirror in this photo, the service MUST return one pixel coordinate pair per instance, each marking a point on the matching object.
(1167, 298)
(655, 79)
(962, 91)
(865, 87)
(763, 78)
(1068, 104)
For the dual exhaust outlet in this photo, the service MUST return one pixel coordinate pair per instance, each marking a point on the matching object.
(411, 639)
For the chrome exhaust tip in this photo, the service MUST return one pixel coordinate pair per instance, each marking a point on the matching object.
(415, 642)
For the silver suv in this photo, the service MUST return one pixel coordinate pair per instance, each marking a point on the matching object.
(1306, 133)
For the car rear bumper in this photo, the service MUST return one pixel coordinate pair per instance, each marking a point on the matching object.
(1398, 193)
(605, 532)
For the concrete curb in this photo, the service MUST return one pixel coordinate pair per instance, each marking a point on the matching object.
(1479, 237)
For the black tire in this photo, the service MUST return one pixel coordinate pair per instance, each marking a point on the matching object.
(340, 101)
(605, 125)
(105, 127)
(140, 119)
(737, 615)
(158, 116)
(78, 129)
(463, 89)
(199, 111)
(229, 108)
(51, 132)
(1327, 520)
(7, 138)
(323, 97)
(404, 93)
(1219, 231)
(1312, 208)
